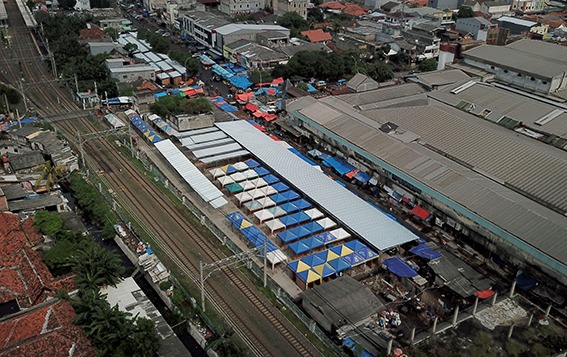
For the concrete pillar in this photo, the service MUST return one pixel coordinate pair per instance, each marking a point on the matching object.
(389, 348)
(513, 289)
(129, 224)
(412, 337)
(166, 183)
(547, 312)
(475, 306)
(183, 199)
(494, 298)
(510, 331)
(530, 320)
(113, 205)
(456, 315)
(99, 187)
(434, 326)
(312, 325)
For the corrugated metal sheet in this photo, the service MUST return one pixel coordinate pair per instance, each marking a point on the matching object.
(217, 158)
(373, 226)
(195, 178)
(185, 134)
(215, 135)
(487, 148)
(217, 150)
(517, 215)
(207, 144)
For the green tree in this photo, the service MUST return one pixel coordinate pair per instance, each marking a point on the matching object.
(428, 65)
(112, 32)
(223, 343)
(380, 71)
(315, 15)
(514, 348)
(464, 12)
(130, 47)
(158, 42)
(174, 105)
(294, 22)
(303, 86)
(67, 4)
(50, 173)
(192, 65)
(260, 77)
(9, 93)
(49, 223)
(96, 266)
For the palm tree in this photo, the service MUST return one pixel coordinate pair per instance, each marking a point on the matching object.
(96, 266)
(50, 174)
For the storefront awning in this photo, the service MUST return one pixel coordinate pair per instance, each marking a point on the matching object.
(420, 212)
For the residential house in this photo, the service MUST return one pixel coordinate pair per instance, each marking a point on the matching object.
(478, 27)
(133, 72)
(527, 6)
(495, 9)
(445, 4)
(332, 6)
(119, 24)
(317, 36)
(272, 39)
(233, 32)
(440, 17)
(93, 33)
(426, 38)
(111, 48)
(391, 7)
(354, 10)
(253, 56)
(82, 5)
(280, 7)
(375, 4)
(362, 83)
(24, 277)
(516, 25)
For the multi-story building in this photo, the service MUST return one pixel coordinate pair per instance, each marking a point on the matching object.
(234, 7)
(478, 27)
(280, 7)
(527, 6)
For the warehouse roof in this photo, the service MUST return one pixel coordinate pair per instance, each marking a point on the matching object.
(233, 28)
(370, 224)
(477, 191)
(493, 102)
(535, 58)
(381, 94)
(537, 169)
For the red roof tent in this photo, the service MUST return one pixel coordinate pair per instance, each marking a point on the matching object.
(258, 114)
(251, 107)
(263, 84)
(259, 127)
(277, 81)
(484, 294)
(317, 35)
(420, 212)
(352, 173)
(244, 97)
(270, 117)
(275, 138)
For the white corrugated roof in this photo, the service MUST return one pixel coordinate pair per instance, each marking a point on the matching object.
(370, 224)
(191, 174)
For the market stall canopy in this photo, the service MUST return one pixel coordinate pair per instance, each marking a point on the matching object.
(399, 267)
(424, 251)
(309, 276)
(341, 250)
(324, 270)
(234, 188)
(261, 171)
(274, 224)
(314, 213)
(225, 180)
(240, 166)
(252, 163)
(216, 172)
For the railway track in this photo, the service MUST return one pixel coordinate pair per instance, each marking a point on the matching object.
(261, 327)
(104, 155)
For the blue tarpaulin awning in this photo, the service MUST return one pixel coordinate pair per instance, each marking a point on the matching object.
(424, 251)
(302, 157)
(399, 267)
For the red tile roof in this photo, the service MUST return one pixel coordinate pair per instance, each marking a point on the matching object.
(94, 33)
(317, 35)
(333, 5)
(23, 274)
(45, 330)
(354, 10)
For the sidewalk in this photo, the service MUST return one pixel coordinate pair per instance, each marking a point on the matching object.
(217, 216)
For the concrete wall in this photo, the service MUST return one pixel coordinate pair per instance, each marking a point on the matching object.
(233, 7)
(528, 82)
(194, 122)
(133, 75)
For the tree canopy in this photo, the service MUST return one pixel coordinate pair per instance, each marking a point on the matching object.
(294, 22)
(185, 58)
(464, 12)
(11, 94)
(158, 42)
(428, 65)
(174, 105)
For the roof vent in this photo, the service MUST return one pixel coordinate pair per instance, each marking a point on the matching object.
(549, 117)
(388, 127)
(463, 87)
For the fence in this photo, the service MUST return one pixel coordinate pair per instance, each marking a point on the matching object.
(281, 295)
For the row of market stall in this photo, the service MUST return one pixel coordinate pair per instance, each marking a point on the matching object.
(326, 264)
(290, 219)
(142, 126)
(343, 167)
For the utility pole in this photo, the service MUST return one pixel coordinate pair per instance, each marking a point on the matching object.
(24, 95)
(7, 104)
(265, 260)
(81, 149)
(76, 84)
(202, 280)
